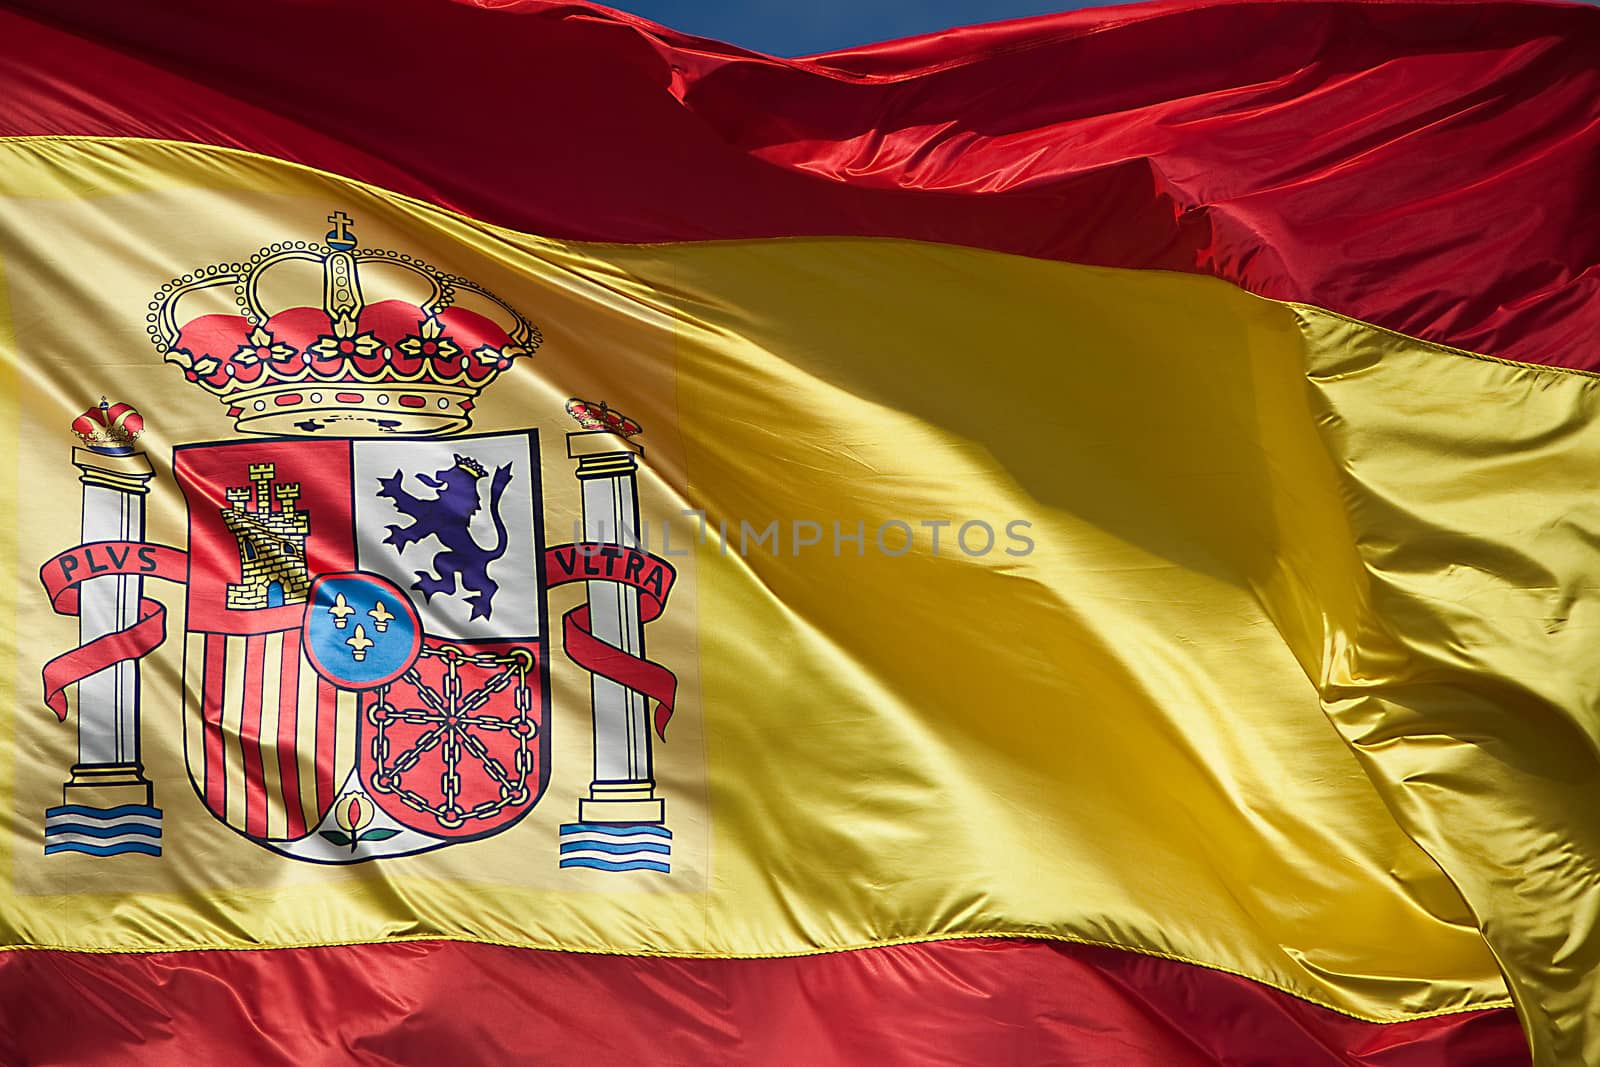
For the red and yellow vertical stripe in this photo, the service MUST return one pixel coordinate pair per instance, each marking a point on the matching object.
(268, 741)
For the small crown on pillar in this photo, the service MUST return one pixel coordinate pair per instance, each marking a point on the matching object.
(312, 338)
(593, 416)
(108, 428)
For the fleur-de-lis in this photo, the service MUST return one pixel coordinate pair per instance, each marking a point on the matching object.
(381, 616)
(341, 611)
(359, 642)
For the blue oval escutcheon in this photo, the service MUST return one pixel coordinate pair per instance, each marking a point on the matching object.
(360, 630)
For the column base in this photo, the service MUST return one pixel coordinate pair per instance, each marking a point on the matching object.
(603, 842)
(107, 812)
(622, 811)
(622, 802)
(108, 785)
(619, 828)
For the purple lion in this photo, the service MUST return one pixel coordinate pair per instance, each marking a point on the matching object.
(446, 517)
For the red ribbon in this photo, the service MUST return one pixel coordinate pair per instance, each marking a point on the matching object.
(62, 576)
(564, 564)
(652, 576)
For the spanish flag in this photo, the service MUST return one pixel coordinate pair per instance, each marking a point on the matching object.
(537, 538)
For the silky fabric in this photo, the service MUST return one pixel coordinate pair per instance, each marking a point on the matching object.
(949, 1003)
(1463, 677)
(1276, 664)
(1426, 166)
(1118, 741)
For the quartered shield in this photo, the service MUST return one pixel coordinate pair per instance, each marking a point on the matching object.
(366, 666)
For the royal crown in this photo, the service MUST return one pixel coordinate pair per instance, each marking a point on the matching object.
(334, 339)
(470, 465)
(109, 428)
(599, 416)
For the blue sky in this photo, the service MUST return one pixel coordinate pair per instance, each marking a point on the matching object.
(791, 28)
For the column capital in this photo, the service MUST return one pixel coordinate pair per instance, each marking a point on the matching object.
(128, 474)
(581, 443)
(602, 454)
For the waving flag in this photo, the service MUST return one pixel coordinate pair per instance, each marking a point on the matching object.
(1069, 541)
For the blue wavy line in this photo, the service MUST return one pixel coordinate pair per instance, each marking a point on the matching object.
(610, 865)
(103, 813)
(101, 831)
(616, 849)
(103, 850)
(615, 829)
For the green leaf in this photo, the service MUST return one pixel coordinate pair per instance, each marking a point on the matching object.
(378, 835)
(338, 837)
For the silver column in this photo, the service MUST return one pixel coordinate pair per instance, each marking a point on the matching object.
(108, 772)
(623, 790)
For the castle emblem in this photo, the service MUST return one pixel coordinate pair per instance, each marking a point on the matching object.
(366, 648)
(271, 533)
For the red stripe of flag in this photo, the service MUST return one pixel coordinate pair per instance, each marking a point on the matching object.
(977, 1001)
(1033, 137)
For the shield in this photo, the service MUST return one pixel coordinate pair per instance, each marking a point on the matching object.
(366, 664)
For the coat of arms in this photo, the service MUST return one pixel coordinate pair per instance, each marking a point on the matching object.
(366, 648)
